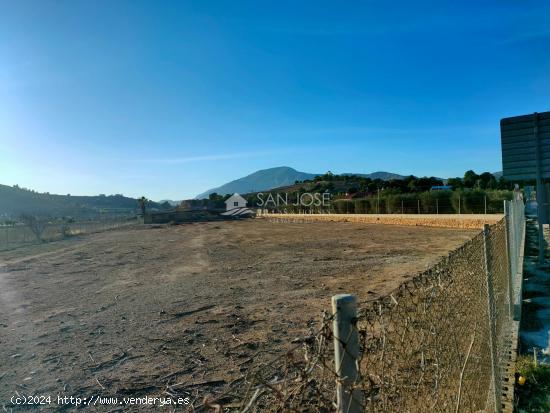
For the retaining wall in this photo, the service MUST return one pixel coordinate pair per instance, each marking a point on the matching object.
(467, 221)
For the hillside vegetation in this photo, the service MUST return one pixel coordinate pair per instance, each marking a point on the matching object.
(472, 193)
(15, 201)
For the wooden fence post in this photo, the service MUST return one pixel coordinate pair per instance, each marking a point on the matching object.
(349, 396)
(491, 318)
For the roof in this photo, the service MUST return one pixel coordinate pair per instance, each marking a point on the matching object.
(238, 211)
(235, 197)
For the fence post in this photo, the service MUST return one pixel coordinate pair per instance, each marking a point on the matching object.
(349, 396)
(437, 206)
(511, 275)
(401, 207)
(419, 206)
(513, 237)
(540, 238)
(459, 204)
(485, 203)
(491, 317)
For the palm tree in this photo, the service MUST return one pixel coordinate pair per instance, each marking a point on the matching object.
(142, 204)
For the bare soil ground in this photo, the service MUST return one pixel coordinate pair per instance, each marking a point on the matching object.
(131, 310)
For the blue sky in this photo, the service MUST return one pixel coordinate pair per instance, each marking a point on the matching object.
(170, 98)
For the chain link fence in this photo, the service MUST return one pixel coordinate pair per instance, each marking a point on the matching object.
(12, 236)
(440, 342)
(393, 205)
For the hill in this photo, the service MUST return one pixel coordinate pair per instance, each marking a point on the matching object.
(15, 201)
(358, 184)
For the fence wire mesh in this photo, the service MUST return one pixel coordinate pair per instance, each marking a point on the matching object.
(437, 343)
(427, 343)
(13, 236)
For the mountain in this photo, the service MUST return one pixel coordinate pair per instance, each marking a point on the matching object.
(260, 181)
(385, 176)
(15, 201)
(266, 179)
(171, 202)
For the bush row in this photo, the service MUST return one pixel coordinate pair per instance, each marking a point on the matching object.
(442, 202)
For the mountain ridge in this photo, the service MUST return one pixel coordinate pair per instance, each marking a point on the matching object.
(270, 178)
(260, 180)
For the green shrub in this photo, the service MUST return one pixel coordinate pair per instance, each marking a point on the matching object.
(362, 206)
(343, 206)
(534, 395)
(495, 200)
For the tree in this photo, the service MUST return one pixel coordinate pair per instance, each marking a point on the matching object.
(142, 202)
(488, 181)
(456, 183)
(214, 196)
(470, 179)
(35, 224)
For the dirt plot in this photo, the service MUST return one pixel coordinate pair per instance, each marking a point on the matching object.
(127, 312)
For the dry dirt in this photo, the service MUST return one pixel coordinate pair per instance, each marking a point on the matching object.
(128, 311)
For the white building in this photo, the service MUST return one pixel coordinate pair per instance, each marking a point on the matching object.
(236, 205)
(235, 201)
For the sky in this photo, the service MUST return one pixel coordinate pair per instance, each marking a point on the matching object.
(170, 98)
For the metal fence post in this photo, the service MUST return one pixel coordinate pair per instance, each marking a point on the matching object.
(511, 274)
(418, 206)
(485, 203)
(517, 232)
(491, 316)
(349, 396)
(437, 206)
(514, 217)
